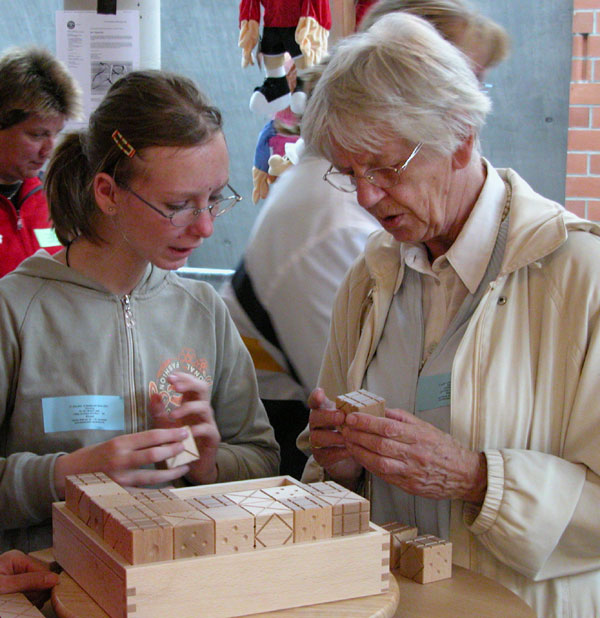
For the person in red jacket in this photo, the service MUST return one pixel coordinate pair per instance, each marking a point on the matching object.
(37, 96)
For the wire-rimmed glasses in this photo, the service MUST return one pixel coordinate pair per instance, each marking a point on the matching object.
(382, 177)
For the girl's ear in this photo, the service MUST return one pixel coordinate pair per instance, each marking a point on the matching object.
(105, 189)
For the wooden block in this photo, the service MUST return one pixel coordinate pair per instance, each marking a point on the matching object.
(312, 518)
(234, 529)
(163, 502)
(350, 511)
(138, 538)
(426, 559)
(79, 489)
(286, 492)
(361, 401)
(189, 454)
(274, 522)
(17, 605)
(193, 534)
(398, 533)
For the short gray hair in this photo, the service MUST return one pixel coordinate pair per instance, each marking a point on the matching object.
(398, 80)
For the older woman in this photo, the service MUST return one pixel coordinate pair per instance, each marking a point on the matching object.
(474, 313)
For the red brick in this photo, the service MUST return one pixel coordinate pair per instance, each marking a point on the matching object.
(583, 22)
(594, 164)
(591, 46)
(595, 117)
(581, 69)
(577, 163)
(585, 4)
(585, 93)
(593, 210)
(579, 46)
(576, 206)
(579, 116)
(583, 186)
(583, 139)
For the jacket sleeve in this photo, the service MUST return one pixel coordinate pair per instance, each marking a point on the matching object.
(541, 512)
(318, 10)
(248, 448)
(249, 10)
(26, 479)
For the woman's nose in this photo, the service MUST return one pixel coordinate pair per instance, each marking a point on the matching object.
(368, 195)
(47, 146)
(203, 225)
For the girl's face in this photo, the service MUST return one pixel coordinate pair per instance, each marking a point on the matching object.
(168, 179)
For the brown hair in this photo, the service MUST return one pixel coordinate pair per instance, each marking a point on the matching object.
(148, 108)
(33, 81)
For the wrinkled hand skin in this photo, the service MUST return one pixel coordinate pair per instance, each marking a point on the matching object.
(415, 456)
(399, 448)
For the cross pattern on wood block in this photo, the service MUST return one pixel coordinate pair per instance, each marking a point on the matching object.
(189, 454)
(17, 605)
(350, 512)
(274, 522)
(426, 559)
(361, 401)
(398, 533)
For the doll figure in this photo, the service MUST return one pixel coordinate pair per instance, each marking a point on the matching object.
(298, 27)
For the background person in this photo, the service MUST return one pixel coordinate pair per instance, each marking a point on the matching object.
(474, 313)
(37, 96)
(303, 241)
(103, 350)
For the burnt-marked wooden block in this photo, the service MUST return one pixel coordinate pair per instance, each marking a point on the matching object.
(350, 512)
(17, 605)
(138, 535)
(426, 559)
(189, 454)
(361, 401)
(193, 534)
(208, 502)
(286, 492)
(312, 517)
(162, 502)
(273, 521)
(398, 533)
(99, 507)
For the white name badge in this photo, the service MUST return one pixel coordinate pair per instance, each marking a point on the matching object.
(433, 392)
(83, 412)
(46, 238)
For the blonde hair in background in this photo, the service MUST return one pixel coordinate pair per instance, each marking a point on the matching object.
(398, 80)
(33, 81)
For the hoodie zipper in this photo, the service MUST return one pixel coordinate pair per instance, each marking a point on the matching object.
(129, 324)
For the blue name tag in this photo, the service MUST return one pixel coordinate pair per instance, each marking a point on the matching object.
(83, 412)
(433, 392)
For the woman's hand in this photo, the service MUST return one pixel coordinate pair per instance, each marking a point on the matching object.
(21, 573)
(122, 458)
(327, 444)
(415, 456)
(195, 410)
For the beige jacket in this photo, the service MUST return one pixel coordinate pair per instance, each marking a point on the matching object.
(525, 391)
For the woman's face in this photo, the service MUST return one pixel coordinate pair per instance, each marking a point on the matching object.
(417, 208)
(25, 146)
(170, 178)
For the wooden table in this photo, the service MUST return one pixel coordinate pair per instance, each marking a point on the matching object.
(466, 594)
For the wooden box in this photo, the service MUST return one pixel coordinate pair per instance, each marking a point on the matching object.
(223, 585)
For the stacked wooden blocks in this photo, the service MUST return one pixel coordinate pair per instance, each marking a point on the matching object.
(361, 401)
(424, 558)
(17, 605)
(150, 525)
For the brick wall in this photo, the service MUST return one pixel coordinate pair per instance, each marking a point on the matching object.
(583, 150)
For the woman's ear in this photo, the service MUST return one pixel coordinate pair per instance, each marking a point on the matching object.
(105, 189)
(462, 155)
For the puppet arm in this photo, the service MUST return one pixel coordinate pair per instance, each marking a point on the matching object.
(248, 40)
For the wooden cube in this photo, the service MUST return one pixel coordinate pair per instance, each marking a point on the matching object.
(193, 534)
(398, 533)
(234, 528)
(313, 518)
(361, 401)
(189, 454)
(17, 605)
(426, 559)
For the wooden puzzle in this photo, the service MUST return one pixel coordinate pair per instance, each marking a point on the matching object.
(155, 552)
(17, 605)
(361, 401)
(426, 559)
(398, 534)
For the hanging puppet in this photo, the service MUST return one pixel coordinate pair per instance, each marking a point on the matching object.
(298, 27)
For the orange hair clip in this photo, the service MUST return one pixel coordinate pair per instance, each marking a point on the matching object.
(123, 144)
